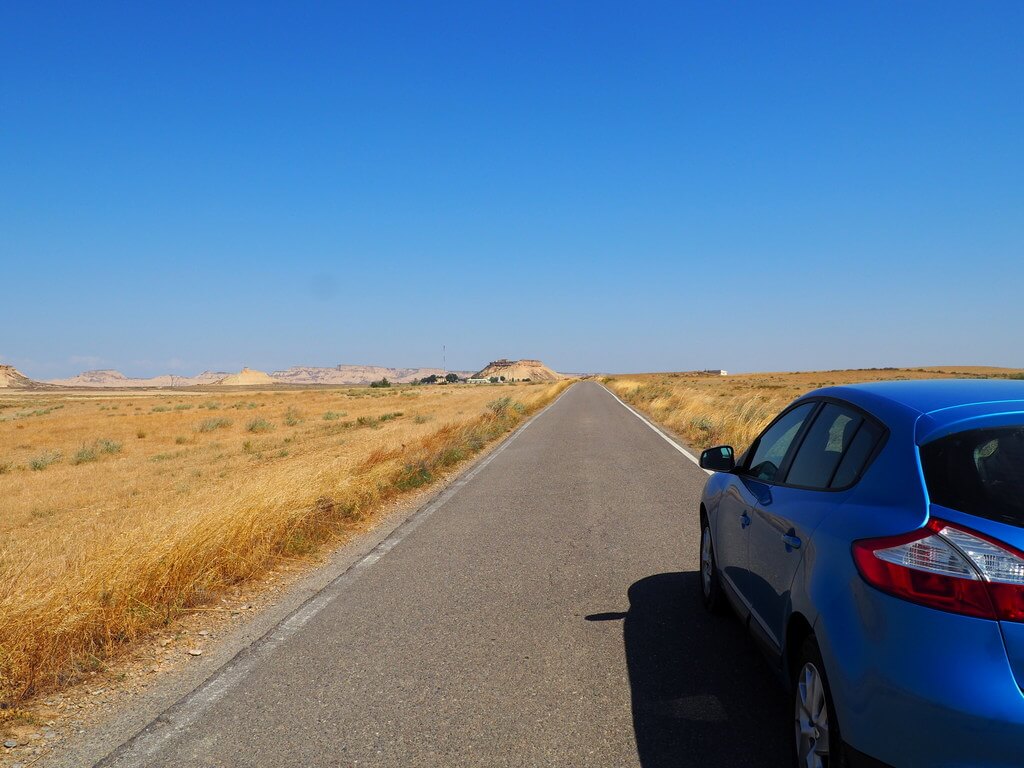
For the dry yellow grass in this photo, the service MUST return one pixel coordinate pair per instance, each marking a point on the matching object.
(123, 509)
(732, 410)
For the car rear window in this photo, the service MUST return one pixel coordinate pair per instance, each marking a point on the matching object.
(980, 472)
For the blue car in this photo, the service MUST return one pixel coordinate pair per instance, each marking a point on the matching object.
(872, 540)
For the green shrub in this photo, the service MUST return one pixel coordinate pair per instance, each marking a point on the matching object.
(292, 417)
(500, 406)
(503, 405)
(413, 476)
(209, 425)
(703, 423)
(167, 456)
(334, 415)
(87, 453)
(259, 425)
(107, 445)
(451, 456)
(44, 460)
(84, 454)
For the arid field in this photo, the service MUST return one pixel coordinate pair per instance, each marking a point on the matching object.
(708, 410)
(123, 509)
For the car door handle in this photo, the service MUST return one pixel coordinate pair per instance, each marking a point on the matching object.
(744, 520)
(791, 541)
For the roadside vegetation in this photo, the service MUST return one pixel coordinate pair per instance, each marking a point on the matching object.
(124, 510)
(707, 410)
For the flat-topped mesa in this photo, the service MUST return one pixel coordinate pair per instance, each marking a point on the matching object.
(355, 375)
(527, 369)
(112, 379)
(505, 363)
(247, 377)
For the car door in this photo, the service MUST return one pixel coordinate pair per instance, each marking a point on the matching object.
(751, 485)
(784, 520)
(735, 508)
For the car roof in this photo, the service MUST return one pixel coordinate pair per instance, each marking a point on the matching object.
(930, 395)
(947, 404)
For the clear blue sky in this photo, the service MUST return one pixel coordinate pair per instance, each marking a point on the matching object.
(607, 186)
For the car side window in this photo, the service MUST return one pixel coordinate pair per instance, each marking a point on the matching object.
(771, 448)
(833, 431)
(857, 455)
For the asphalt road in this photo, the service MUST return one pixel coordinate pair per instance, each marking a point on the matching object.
(545, 613)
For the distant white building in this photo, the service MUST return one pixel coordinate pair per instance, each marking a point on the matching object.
(716, 372)
(478, 381)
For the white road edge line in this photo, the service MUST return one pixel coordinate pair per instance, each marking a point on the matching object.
(663, 436)
(187, 710)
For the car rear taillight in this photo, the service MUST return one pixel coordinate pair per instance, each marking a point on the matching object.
(948, 567)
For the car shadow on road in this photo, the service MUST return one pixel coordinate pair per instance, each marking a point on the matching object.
(702, 694)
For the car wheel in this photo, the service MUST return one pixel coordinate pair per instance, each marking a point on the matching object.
(817, 743)
(710, 586)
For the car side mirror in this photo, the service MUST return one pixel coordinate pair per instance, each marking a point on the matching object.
(718, 459)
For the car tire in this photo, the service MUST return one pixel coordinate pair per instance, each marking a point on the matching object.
(816, 740)
(709, 582)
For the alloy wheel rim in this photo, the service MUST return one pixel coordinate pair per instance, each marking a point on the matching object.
(705, 560)
(812, 735)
